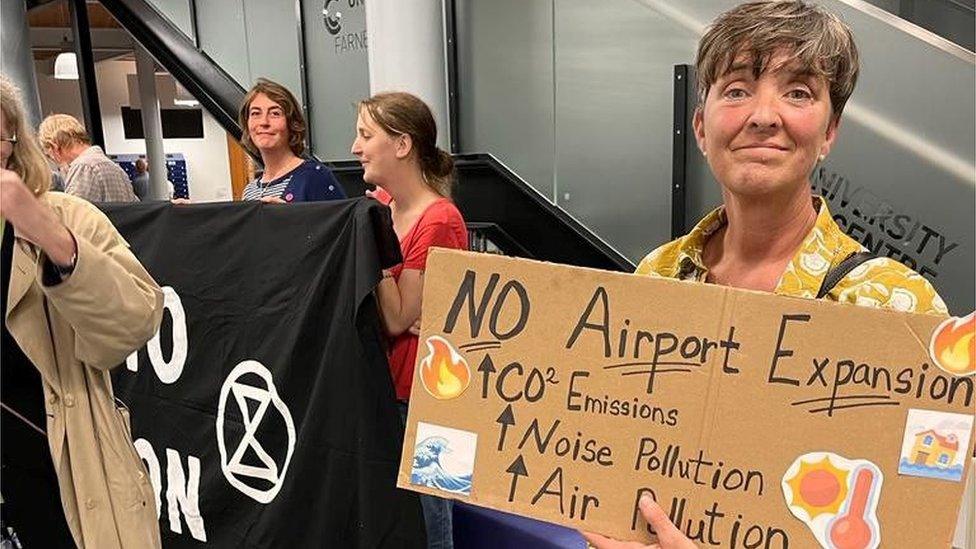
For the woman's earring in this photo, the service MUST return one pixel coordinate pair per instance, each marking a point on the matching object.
(823, 157)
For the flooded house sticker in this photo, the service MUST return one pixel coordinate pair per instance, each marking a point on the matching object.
(934, 450)
(935, 444)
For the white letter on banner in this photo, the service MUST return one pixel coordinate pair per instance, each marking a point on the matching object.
(167, 371)
(146, 452)
(184, 495)
(170, 371)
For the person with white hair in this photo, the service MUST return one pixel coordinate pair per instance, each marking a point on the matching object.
(90, 173)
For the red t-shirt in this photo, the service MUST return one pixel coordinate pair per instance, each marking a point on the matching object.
(440, 225)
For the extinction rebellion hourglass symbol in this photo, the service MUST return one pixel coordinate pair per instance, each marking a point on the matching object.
(256, 404)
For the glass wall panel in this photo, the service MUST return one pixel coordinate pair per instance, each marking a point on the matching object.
(273, 42)
(251, 39)
(614, 66)
(338, 72)
(177, 11)
(951, 19)
(223, 37)
(505, 74)
(575, 97)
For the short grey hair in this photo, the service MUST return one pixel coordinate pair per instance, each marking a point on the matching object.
(814, 38)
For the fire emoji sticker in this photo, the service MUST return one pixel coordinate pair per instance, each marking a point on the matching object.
(444, 372)
(953, 345)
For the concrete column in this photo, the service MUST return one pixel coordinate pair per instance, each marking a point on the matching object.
(152, 125)
(16, 61)
(407, 53)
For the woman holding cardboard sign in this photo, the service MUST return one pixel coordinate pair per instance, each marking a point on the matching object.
(773, 79)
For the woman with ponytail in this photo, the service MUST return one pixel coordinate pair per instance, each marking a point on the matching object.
(396, 140)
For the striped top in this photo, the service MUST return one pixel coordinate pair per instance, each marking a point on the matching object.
(256, 190)
(310, 181)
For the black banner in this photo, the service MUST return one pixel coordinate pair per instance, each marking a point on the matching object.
(264, 408)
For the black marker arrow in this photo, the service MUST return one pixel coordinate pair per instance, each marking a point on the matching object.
(517, 468)
(505, 419)
(486, 367)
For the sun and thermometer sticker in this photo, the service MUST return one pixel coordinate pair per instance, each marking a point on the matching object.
(837, 498)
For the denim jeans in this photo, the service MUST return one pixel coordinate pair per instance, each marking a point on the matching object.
(437, 511)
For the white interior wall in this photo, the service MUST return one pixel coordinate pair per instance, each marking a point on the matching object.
(207, 163)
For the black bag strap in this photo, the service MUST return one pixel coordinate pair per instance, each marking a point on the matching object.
(838, 273)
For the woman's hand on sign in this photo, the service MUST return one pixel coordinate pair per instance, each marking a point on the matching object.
(668, 535)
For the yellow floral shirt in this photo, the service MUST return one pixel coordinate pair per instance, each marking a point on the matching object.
(880, 282)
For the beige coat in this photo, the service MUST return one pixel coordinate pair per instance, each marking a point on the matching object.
(74, 332)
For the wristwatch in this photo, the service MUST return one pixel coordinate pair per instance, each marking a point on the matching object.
(54, 274)
(66, 270)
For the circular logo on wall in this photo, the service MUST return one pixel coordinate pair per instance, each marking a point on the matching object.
(331, 18)
(258, 460)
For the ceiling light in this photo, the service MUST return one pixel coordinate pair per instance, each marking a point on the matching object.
(66, 66)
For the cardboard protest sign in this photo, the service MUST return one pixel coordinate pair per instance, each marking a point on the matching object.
(755, 420)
